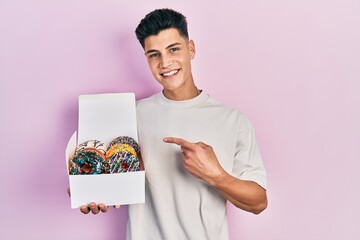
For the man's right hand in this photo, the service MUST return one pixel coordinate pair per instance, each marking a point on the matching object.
(93, 207)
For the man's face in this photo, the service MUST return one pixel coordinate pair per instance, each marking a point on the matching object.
(169, 56)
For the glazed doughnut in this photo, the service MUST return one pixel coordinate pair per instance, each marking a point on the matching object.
(122, 158)
(89, 159)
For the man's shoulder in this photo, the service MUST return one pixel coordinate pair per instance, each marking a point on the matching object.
(146, 101)
(226, 107)
(227, 110)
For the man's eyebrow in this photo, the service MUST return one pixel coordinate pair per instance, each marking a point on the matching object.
(150, 51)
(170, 46)
(173, 45)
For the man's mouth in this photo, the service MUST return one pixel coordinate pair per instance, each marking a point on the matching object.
(170, 74)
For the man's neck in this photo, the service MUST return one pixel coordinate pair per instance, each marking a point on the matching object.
(183, 94)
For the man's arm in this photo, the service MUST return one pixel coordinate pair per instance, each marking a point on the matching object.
(200, 160)
(246, 195)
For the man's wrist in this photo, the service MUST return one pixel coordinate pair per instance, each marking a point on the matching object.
(219, 179)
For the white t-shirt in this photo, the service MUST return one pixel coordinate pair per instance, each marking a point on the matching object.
(178, 205)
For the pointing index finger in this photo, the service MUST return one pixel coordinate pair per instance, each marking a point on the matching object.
(179, 141)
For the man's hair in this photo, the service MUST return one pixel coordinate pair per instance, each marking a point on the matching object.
(158, 20)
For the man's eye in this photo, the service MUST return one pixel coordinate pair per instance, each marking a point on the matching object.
(153, 55)
(174, 49)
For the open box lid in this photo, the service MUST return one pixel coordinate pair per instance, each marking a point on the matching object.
(104, 117)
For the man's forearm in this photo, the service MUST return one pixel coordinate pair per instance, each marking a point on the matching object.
(246, 195)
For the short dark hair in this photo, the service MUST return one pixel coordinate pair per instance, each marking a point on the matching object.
(158, 20)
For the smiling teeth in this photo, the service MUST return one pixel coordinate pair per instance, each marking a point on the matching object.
(170, 73)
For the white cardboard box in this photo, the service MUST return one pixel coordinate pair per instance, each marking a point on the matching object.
(104, 117)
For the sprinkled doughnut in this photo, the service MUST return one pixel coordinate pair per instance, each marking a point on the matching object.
(89, 159)
(122, 158)
(126, 140)
(98, 145)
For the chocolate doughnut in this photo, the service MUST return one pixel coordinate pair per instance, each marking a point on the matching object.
(89, 159)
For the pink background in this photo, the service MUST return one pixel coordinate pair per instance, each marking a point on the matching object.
(293, 67)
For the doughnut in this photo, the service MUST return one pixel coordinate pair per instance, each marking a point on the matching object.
(122, 157)
(126, 140)
(92, 157)
(98, 145)
(89, 159)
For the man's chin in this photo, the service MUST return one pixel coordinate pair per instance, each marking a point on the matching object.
(170, 85)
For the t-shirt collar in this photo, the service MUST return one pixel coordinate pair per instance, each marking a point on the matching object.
(199, 99)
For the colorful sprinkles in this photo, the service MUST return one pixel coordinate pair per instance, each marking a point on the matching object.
(87, 161)
(122, 155)
(126, 140)
(122, 158)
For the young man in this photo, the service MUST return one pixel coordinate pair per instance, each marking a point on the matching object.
(197, 152)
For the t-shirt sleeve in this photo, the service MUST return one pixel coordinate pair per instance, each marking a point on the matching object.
(248, 164)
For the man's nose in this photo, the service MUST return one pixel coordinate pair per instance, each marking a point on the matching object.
(165, 61)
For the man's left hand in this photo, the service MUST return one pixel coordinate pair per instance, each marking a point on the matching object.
(199, 159)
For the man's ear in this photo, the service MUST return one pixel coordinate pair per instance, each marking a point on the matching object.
(192, 49)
